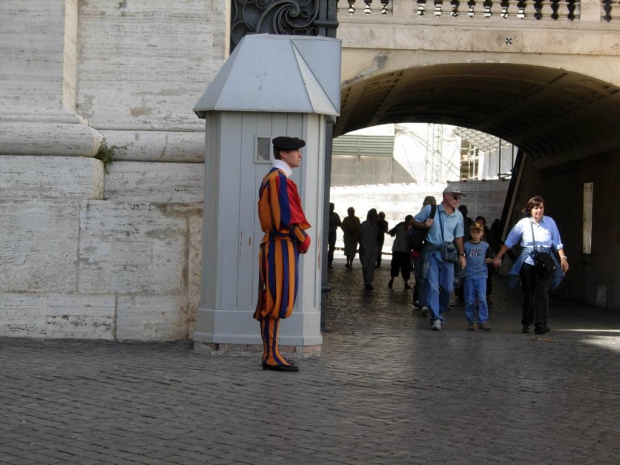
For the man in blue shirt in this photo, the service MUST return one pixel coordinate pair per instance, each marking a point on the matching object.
(444, 232)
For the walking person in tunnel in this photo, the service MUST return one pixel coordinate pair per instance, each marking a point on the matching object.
(351, 228)
(334, 224)
(478, 255)
(401, 253)
(443, 248)
(419, 287)
(368, 247)
(490, 238)
(382, 229)
(537, 265)
(284, 223)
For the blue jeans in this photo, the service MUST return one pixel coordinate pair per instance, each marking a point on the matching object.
(439, 286)
(419, 289)
(476, 288)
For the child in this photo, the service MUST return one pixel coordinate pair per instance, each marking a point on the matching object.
(478, 254)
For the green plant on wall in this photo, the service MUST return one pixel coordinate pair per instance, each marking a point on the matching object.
(106, 154)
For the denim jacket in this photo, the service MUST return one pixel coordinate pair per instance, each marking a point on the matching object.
(513, 274)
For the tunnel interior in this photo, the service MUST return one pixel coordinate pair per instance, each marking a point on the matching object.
(552, 114)
(565, 124)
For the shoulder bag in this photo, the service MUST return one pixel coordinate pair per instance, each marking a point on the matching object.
(542, 260)
(417, 237)
(448, 249)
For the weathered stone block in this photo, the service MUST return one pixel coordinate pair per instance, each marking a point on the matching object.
(155, 182)
(88, 317)
(134, 247)
(194, 270)
(22, 315)
(36, 138)
(162, 55)
(57, 316)
(458, 39)
(161, 146)
(38, 246)
(152, 317)
(50, 178)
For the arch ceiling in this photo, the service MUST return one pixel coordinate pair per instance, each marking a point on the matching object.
(551, 113)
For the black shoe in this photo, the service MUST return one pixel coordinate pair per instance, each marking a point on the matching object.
(525, 329)
(369, 287)
(391, 283)
(280, 367)
(542, 329)
(407, 286)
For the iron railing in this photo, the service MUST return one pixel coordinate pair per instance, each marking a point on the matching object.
(288, 17)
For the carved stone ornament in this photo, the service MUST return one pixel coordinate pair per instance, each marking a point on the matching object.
(288, 17)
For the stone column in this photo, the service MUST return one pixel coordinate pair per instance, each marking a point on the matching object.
(39, 73)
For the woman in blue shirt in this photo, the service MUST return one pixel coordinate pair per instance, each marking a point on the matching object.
(537, 234)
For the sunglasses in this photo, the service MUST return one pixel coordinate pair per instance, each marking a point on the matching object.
(455, 197)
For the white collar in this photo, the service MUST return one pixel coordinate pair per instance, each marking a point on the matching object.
(281, 165)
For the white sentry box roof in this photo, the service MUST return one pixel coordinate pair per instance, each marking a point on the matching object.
(276, 73)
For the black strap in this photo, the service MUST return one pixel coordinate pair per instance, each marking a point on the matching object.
(441, 228)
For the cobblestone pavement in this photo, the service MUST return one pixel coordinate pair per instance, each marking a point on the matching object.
(386, 390)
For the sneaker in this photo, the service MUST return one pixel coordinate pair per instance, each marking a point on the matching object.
(471, 326)
(542, 329)
(436, 325)
(425, 312)
(484, 327)
(525, 329)
(416, 303)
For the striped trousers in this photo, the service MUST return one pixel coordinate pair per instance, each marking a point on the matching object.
(277, 292)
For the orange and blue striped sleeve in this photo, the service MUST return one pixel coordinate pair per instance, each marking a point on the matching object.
(280, 209)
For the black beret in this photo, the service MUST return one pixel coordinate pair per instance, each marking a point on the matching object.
(288, 143)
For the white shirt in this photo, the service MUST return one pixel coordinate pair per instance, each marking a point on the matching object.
(282, 165)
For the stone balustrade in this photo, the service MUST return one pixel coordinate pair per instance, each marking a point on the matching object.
(441, 10)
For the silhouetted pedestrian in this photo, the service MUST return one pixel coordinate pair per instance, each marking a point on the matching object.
(401, 253)
(351, 228)
(334, 224)
(382, 229)
(368, 247)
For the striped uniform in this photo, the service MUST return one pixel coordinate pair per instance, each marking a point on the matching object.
(283, 221)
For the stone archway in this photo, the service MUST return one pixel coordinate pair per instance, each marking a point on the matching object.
(549, 112)
(566, 123)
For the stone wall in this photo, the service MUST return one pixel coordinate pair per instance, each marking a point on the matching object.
(85, 251)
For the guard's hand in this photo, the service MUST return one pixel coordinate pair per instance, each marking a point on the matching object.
(564, 266)
(462, 262)
(497, 262)
(429, 222)
(302, 247)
